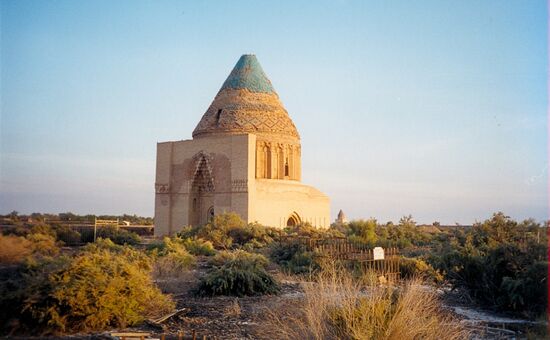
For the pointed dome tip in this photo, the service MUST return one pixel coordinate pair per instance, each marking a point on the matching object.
(247, 103)
(248, 74)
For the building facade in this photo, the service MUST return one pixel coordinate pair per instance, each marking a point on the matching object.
(245, 157)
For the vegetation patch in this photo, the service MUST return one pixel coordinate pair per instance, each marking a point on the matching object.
(198, 246)
(340, 306)
(229, 231)
(171, 257)
(114, 233)
(104, 286)
(418, 268)
(501, 263)
(237, 273)
(294, 257)
(13, 249)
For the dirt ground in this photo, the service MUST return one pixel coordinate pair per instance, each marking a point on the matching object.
(226, 317)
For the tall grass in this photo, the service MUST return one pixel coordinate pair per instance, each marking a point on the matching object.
(14, 249)
(338, 305)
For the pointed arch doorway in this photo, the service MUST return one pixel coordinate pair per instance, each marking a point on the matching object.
(293, 220)
(201, 196)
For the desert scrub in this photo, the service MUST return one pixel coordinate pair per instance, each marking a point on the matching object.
(413, 267)
(67, 235)
(15, 249)
(501, 263)
(43, 244)
(104, 286)
(338, 306)
(171, 258)
(294, 257)
(229, 231)
(198, 246)
(237, 273)
(114, 233)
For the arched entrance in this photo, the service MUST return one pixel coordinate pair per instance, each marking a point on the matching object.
(293, 220)
(210, 214)
(202, 190)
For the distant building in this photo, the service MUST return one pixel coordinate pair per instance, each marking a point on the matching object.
(245, 157)
(341, 219)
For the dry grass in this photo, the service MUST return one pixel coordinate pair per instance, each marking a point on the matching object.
(337, 305)
(14, 249)
(233, 309)
(173, 277)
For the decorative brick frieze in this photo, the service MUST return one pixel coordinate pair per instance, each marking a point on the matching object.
(239, 185)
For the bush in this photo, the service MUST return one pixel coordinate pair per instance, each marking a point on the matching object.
(306, 230)
(416, 268)
(13, 249)
(362, 231)
(500, 263)
(237, 273)
(42, 228)
(67, 235)
(17, 230)
(199, 247)
(294, 257)
(114, 233)
(171, 257)
(104, 286)
(229, 231)
(43, 244)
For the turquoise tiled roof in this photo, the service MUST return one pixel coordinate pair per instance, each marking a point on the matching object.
(248, 74)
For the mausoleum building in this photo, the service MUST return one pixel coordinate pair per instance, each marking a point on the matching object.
(245, 157)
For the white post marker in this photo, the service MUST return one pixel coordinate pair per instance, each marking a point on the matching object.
(378, 253)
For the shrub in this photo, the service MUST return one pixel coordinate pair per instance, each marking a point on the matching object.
(17, 230)
(237, 273)
(13, 249)
(171, 257)
(104, 286)
(307, 230)
(42, 228)
(43, 244)
(251, 236)
(229, 231)
(362, 231)
(500, 263)
(67, 235)
(417, 268)
(294, 257)
(199, 247)
(114, 233)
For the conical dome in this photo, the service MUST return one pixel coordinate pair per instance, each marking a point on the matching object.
(246, 103)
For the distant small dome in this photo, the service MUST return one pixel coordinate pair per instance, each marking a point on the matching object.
(341, 217)
(246, 103)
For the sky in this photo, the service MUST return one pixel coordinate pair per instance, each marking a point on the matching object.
(436, 109)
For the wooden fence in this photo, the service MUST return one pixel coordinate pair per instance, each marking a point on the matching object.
(383, 261)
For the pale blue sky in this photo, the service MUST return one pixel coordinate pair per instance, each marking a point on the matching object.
(436, 109)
